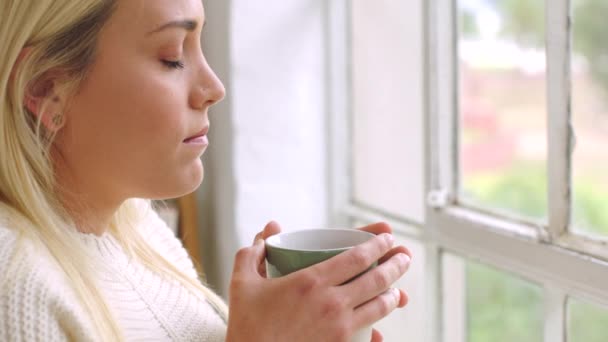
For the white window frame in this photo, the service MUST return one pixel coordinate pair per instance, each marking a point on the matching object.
(563, 264)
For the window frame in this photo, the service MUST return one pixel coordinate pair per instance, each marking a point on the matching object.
(563, 264)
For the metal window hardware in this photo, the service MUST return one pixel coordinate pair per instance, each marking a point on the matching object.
(438, 199)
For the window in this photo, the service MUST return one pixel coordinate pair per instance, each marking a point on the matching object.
(479, 130)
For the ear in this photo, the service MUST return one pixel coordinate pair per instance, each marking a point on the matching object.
(48, 108)
(41, 97)
(44, 100)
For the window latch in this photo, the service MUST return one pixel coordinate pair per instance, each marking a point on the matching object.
(438, 199)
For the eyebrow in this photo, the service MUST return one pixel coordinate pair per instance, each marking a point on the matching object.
(186, 24)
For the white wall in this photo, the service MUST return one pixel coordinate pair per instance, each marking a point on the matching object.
(267, 157)
(387, 105)
(269, 150)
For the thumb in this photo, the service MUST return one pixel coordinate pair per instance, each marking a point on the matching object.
(248, 259)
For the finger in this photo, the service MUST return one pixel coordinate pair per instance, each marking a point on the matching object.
(347, 265)
(404, 299)
(377, 308)
(272, 228)
(262, 269)
(377, 336)
(377, 280)
(394, 251)
(258, 236)
(377, 228)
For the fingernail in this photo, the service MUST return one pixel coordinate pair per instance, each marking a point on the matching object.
(403, 258)
(389, 238)
(397, 294)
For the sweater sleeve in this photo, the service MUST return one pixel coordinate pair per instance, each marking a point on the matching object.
(36, 303)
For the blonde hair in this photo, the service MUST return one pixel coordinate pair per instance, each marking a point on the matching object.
(61, 35)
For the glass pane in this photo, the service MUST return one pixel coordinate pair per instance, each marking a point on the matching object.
(590, 115)
(454, 298)
(387, 104)
(502, 99)
(586, 322)
(502, 307)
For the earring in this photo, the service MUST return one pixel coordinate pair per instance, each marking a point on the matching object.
(57, 119)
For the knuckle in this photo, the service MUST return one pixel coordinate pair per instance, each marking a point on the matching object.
(386, 304)
(242, 254)
(381, 280)
(333, 307)
(359, 259)
(237, 283)
(308, 283)
(343, 332)
(383, 244)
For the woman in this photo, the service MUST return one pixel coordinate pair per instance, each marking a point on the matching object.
(104, 107)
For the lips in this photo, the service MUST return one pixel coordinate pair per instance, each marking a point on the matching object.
(200, 134)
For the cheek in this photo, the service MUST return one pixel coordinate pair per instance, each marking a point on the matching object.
(132, 106)
(154, 114)
(126, 123)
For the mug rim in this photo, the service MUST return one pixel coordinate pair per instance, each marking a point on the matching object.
(271, 243)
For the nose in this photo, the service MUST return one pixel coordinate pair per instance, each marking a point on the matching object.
(208, 89)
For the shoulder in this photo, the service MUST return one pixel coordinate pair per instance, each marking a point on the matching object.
(36, 301)
(160, 237)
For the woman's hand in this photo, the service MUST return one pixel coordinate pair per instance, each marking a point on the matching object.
(312, 304)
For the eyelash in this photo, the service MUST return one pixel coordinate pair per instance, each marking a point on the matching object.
(173, 64)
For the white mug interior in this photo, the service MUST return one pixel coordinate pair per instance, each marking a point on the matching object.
(319, 239)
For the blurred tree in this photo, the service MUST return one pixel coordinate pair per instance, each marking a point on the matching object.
(590, 37)
(523, 21)
(468, 24)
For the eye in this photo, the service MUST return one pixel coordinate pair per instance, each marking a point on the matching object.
(173, 64)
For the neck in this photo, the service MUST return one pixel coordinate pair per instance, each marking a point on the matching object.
(88, 215)
(89, 206)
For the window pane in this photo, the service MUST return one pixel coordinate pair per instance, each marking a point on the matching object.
(454, 298)
(590, 115)
(387, 104)
(502, 99)
(586, 322)
(502, 307)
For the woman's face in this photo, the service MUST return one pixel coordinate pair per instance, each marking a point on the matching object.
(127, 129)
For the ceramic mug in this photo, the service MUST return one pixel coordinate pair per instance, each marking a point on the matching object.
(292, 251)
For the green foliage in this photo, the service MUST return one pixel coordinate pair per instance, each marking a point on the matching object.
(523, 21)
(502, 308)
(590, 37)
(590, 207)
(468, 24)
(587, 323)
(521, 190)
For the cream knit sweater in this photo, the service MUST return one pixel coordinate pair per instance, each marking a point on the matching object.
(38, 304)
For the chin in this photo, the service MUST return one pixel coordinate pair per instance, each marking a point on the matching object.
(192, 179)
(180, 185)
